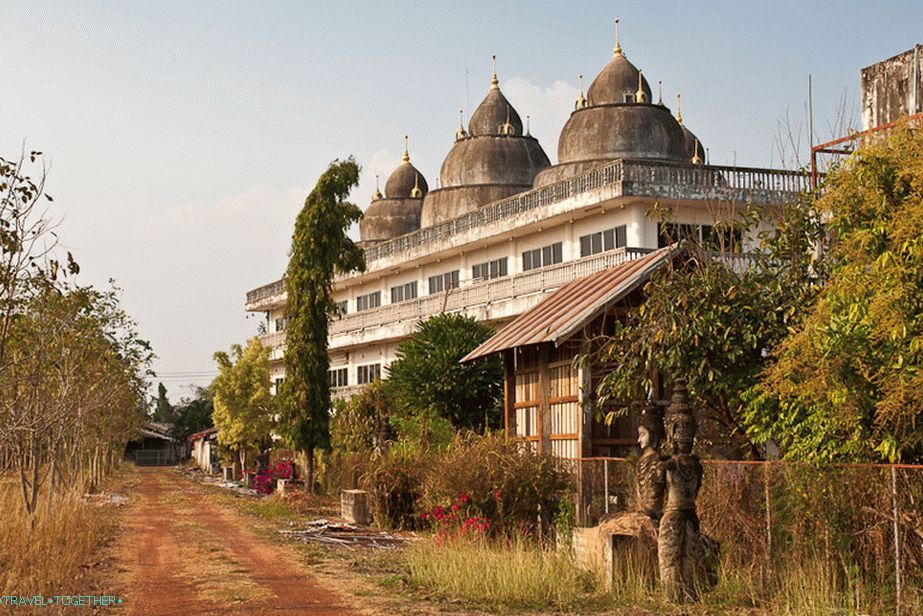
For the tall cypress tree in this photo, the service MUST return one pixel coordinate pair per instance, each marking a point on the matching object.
(320, 250)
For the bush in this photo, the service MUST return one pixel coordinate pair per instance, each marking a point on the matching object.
(394, 483)
(506, 483)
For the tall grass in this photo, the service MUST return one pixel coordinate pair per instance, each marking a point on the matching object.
(49, 557)
(513, 574)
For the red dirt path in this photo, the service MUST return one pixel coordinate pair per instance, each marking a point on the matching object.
(150, 551)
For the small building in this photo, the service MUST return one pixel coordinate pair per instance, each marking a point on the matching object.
(548, 394)
(153, 446)
(204, 447)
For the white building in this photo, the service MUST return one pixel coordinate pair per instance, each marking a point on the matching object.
(505, 227)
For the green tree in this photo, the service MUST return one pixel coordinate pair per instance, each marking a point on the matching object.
(429, 379)
(163, 410)
(243, 405)
(320, 250)
(194, 414)
(709, 315)
(848, 382)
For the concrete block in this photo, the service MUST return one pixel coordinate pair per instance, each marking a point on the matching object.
(354, 506)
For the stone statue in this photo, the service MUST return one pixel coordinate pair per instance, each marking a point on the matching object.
(683, 558)
(649, 481)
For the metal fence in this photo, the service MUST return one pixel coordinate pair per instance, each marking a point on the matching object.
(863, 523)
(154, 457)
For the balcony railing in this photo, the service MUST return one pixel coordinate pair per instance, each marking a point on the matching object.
(632, 177)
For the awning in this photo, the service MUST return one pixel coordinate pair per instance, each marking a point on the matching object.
(563, 313)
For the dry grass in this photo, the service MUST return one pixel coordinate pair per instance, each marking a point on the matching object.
(499, 574)
(52, 557)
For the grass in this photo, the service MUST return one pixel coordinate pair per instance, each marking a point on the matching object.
(499, 574)
(55, 556)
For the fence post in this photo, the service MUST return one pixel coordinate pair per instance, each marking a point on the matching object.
(767, 479)
(897, 544)
(606, 485)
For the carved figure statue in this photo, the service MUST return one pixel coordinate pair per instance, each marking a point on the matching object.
(649, 481)
(682, 554)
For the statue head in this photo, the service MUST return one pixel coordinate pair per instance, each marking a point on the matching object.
(650, 426)
(680, 422)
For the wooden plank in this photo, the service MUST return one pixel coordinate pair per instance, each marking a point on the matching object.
(509, 393)
(544, 385)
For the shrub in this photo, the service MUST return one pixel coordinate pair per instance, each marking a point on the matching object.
(394, 483)
(506, 483)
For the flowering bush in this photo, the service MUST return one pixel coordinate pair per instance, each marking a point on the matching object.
(456, 520)
(263, 481)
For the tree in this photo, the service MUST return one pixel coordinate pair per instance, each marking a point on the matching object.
(320, 250)
(430, 380)
(194, 414)
(848, 382)
(710, 314)
(163, 410)
(243, 405)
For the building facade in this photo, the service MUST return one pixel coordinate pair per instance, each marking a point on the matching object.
(505, 228)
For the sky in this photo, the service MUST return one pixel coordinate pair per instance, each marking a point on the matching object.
(183, 137)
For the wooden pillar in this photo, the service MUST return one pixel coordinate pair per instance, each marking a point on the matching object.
(544, 392)
(509, 393)
(584, 430)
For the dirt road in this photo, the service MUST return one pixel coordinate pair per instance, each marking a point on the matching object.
(180, 553)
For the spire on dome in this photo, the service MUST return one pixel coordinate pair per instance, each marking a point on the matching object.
(696, 159)
(461, 133)
(377, 194)
(679, 114)
(640, 95)
(660, 92)
(494, 82)
(406, 156)
(581, 100)
(618, 48)
(507, 128)
(415, 192)
(528, 129)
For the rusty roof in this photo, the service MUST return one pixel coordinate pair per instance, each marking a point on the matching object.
(560, 315)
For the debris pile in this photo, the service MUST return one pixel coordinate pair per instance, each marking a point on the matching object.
(345, 535)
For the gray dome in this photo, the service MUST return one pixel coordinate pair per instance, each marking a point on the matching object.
(385, 219)
(510, 160)
(625, 130)
(492, 114)
(403, 179)
(617, 83)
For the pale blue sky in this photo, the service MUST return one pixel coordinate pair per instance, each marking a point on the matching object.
(184, 135)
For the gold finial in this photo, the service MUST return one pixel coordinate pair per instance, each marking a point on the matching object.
(660, 92)
(377, 194)
(679, 114)
(406, 156)
(618, 48)
(494, 82)
(507, 128)
(415, 192)
(461, 133)
(528, 129)
(581, 100)
(640, 96)
(696, 160)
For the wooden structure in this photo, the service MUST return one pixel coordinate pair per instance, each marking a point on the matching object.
(153, 446)
(548, 393)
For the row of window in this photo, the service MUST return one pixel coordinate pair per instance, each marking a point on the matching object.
(339, 377)
(721, 238)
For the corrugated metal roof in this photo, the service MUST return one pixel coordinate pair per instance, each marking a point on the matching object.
(560, 315)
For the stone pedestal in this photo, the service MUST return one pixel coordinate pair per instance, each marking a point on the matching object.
(281, 485)
(228, 473)
(354, 506)
(621, 547)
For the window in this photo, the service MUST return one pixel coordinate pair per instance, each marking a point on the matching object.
(603, 240)
(542, 257)
(368, 373)
(628, 97)
(712, 238)
(442, 282)
(368, 301)
(342, 308)
(339, 377)
(403, 292)
(490, 269)
(280, 325)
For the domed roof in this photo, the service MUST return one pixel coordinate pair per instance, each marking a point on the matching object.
(385, 219)
(495, 115)
(496, 159)
(406, 180)
(617, 83)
